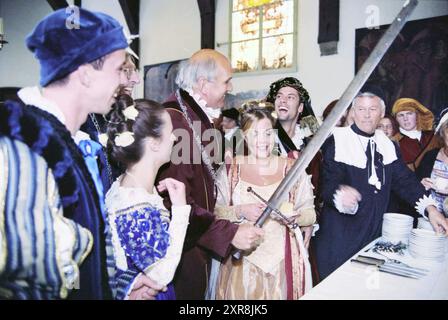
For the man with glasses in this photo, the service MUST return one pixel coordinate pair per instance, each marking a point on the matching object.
(96, 124)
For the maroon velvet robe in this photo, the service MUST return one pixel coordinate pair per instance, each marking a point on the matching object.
(206, 235)
(413, 150)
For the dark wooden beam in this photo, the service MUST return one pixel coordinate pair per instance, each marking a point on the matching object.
(207, 9)
(57, 4)
(328, 27)
(131, 11)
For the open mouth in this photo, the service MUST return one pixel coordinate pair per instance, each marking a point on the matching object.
(262, 148)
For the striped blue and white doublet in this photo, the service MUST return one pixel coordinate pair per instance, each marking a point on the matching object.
(40, 249)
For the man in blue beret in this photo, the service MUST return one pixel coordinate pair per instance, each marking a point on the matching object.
(52, 223)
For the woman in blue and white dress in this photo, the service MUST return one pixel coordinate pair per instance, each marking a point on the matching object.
(141, 236)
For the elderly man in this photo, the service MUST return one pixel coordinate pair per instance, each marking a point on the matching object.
(357, 181)
(52, 220)
(204, 80)
(416, 136)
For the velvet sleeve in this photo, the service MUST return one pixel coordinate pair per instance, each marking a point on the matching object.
(204, 229)
(405, 183)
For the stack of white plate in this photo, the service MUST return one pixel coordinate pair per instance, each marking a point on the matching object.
(427, 245)
(396, 227)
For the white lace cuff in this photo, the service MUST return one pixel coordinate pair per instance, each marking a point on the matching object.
(316, 228)
(423, 203)
(338, 204)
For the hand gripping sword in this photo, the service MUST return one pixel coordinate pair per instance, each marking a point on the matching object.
(328, 125)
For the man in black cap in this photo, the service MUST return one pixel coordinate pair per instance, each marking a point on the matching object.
(295, 125)
(52, 224)
(233, 138)
(292, 104)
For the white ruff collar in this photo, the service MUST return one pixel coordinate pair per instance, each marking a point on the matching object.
(413, 134)
(351, 149)
(212, 113)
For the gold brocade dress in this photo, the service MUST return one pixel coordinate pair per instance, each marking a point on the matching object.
(264, 273)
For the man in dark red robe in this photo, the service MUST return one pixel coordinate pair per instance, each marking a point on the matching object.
(204, 81)
(415, 136)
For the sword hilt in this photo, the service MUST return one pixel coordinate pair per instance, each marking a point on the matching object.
(260, 221)
(275, 210)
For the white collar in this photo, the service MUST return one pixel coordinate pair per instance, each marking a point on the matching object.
(299, 136)
(230, 133)
(413, 134)
(33, 97)
(300, 133)
(212, 113)
(354, 153)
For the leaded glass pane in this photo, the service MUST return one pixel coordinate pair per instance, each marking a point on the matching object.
(278, 52)
(245, 56)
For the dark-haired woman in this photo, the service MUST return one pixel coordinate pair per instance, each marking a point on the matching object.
(389, 126)
(144, 240)
(278, 268)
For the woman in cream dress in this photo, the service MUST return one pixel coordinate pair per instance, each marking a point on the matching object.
(278, 268)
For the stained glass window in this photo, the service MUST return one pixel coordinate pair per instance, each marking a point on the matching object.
(262, 35)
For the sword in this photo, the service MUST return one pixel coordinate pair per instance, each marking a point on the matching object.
(290, 224)
(341, 106)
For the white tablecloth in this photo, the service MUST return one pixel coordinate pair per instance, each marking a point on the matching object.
(362, 282)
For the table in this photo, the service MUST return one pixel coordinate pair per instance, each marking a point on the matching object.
(361, 282)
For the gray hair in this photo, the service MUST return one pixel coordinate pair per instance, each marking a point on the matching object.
(370, 95)
(191, 70)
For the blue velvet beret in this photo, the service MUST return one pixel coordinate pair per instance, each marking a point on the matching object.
(61, 49)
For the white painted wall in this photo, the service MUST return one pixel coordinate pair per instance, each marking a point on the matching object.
(18, 67)
(170, 30)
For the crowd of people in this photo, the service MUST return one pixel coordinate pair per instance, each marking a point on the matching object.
(104, 196)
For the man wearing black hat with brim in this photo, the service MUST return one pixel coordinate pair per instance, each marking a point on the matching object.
(292, 104)
(293, 109)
